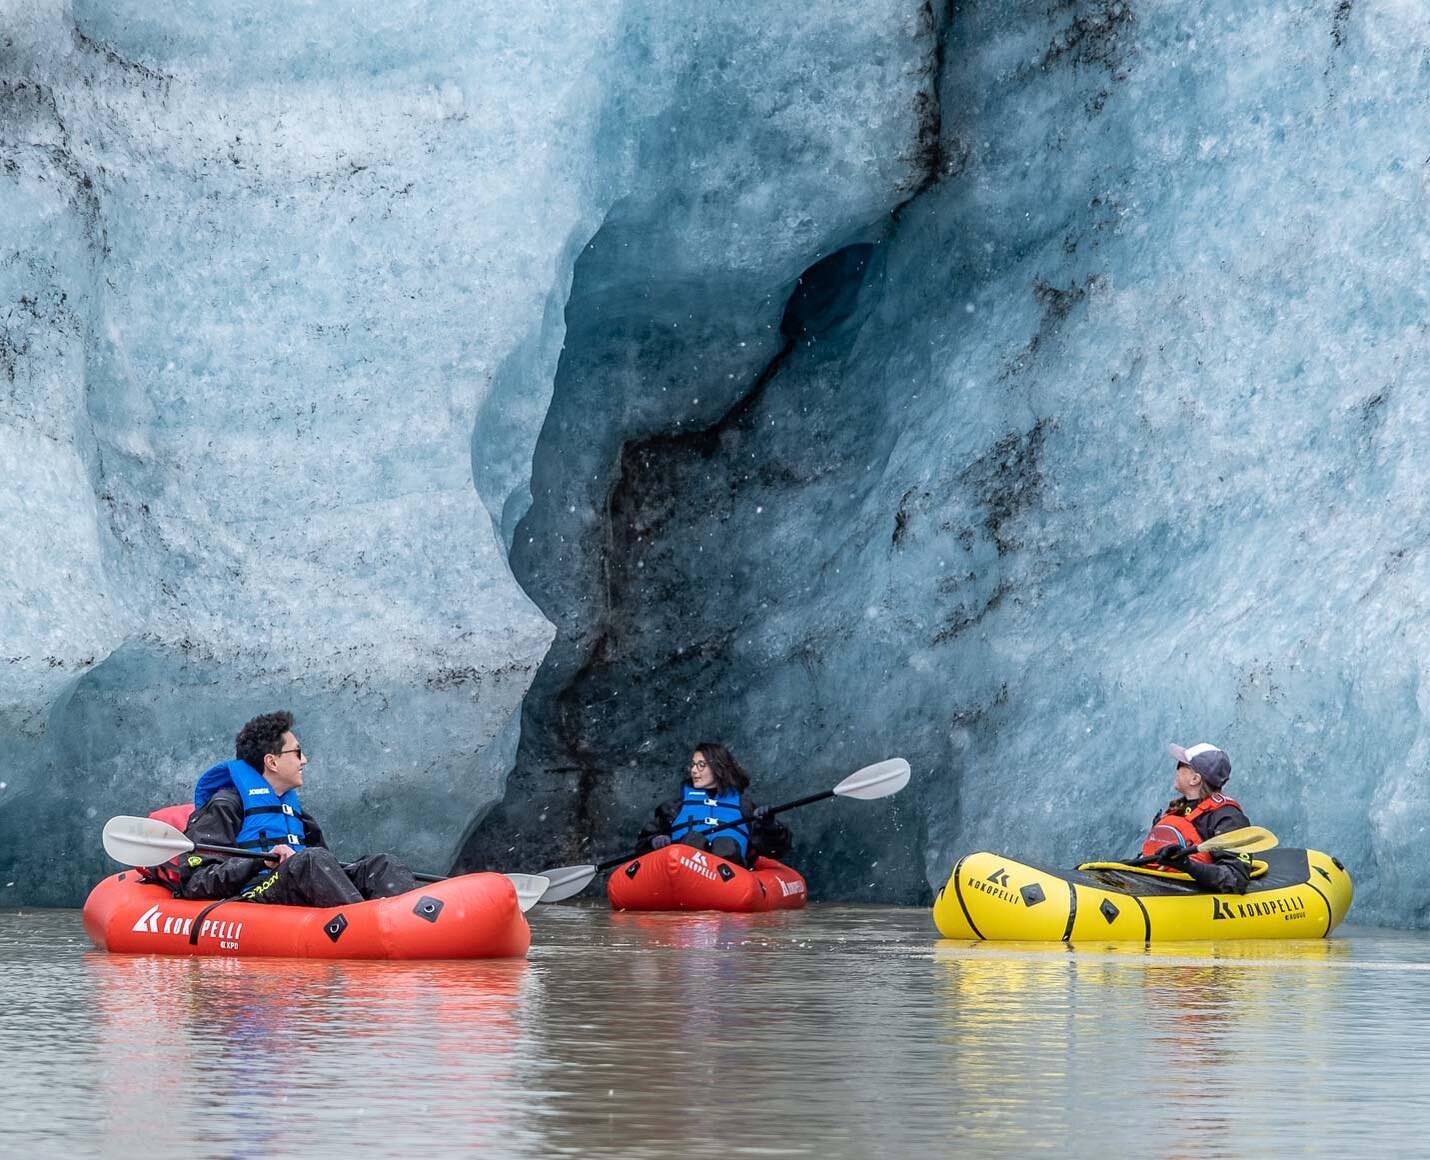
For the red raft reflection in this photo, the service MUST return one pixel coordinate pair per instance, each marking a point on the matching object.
(678, 877)
(383, 1058)
(474, 916)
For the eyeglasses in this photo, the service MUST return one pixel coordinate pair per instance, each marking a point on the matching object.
(298, 749)
(699, 765)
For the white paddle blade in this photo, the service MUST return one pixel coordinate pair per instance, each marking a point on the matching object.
(875, 781)
(529, 888)
(567, 881)
(143, 841)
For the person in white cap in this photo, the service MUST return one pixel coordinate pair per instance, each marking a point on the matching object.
(1199, 811)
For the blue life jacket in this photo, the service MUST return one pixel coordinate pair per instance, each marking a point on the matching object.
(268, 819)
(699, 808)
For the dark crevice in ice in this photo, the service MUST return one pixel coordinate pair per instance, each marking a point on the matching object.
(1095, 36)
(930, 155)
(1339, 21)
(635, 674)
(564, 790)
(96, 47)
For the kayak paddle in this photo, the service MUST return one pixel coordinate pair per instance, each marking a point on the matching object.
(882, 779)
(148, 842)
(1247, 840)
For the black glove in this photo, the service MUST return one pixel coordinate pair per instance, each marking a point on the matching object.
(1173, 855)
(761, 813)
(660, 841)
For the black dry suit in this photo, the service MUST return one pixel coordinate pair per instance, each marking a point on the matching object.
(311, 877)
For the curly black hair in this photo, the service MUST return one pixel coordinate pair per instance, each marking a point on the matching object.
(262, 735)
(729, 773)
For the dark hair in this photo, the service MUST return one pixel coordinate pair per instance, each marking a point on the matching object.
(262, 735)
(729, 773)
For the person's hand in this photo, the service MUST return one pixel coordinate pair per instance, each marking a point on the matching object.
(761, 813)
(660, 841)
(1173, 855)
(282, 853)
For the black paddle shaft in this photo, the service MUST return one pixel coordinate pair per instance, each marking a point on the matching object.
(1165, 854)
(239, 852)
(610, 863)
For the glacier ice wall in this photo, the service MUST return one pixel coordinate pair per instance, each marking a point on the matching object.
(1110, 439)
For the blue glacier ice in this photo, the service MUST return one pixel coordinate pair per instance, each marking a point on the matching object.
(522, 397)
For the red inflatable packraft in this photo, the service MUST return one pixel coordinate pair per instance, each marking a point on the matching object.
(474, 916)
(679, 877)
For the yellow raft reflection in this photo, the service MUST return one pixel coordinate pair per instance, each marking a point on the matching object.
(1302, 894)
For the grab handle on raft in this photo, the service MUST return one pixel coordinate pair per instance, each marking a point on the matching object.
(149, 841)
(882, 779)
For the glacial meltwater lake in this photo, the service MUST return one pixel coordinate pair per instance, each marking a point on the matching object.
(833, 1032)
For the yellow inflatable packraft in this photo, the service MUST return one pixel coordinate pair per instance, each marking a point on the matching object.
(1300, 894)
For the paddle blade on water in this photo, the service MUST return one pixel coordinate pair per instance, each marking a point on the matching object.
(566, 882)
(529, 888)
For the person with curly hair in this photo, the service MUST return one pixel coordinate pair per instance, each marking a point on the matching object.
(712, 813)
(252, 802)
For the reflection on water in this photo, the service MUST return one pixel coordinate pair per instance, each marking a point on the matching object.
(831, 1032)
(343, 1039)
(1186, 1029)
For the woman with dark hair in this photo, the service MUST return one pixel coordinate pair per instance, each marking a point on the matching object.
(713, 799)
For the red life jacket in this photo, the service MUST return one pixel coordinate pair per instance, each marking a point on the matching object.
(167, 873)
(1175, 828)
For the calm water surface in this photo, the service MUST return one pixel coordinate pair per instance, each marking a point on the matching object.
(835, 1032)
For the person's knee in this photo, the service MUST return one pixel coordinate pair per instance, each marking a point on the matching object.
(312, 858)
(385, 876)
(386, 867)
